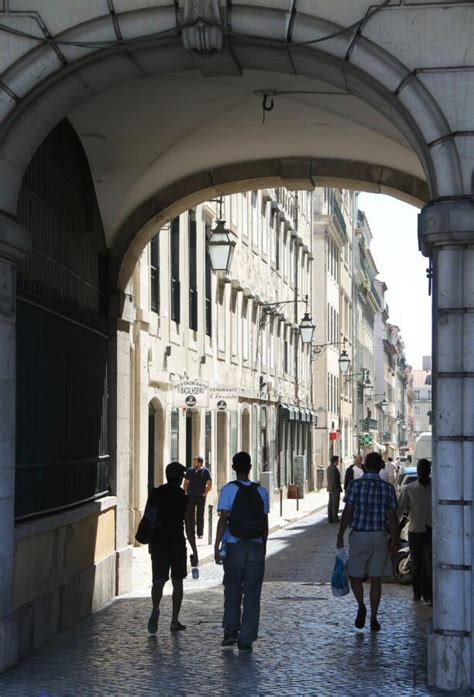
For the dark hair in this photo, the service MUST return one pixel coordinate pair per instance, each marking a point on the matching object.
(334, 459)
(390, 459)
(374, 462)
(199, 459)
(241, 462)
(175, 472)
(423, 470)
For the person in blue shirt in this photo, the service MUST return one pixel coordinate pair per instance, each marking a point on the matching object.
(242, 531)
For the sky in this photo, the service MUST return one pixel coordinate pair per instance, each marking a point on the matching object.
(403, 268)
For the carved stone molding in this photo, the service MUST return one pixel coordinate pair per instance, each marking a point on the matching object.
(202, 26)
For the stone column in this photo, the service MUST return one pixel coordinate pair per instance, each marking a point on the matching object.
(15, 244)
(121, 430)
(446, 233)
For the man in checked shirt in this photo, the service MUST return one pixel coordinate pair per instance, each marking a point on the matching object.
(371, 508)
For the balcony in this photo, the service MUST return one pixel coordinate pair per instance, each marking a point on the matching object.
(369, 425)
(339, 217)
(386, 437)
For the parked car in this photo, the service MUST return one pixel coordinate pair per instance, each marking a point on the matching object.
(407, 475)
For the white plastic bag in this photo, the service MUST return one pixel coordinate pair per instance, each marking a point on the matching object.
(339, 580)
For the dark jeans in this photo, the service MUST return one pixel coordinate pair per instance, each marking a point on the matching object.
(244, 568)
(333, 506)
(421, 561)
(196, 507)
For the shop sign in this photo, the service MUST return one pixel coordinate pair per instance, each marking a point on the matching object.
(223, 398)
(191, 393)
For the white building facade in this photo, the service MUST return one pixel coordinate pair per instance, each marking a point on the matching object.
(234, 333)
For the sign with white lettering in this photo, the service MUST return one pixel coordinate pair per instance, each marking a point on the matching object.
(191, 393)
(223, 398)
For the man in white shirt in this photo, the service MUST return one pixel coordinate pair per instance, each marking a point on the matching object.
(417, 498)
(389, 472)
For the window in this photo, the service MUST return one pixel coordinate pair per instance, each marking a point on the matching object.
(175, 284)
(208, 285)
(276, 222)
(192, 264)
(155, 274)
(245, 330)
(221, 318)
(174, 434)
(208, 439)
(234, 325)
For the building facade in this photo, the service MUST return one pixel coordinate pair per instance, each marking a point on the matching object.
(333, 312)
(235, 334)
(422, 400)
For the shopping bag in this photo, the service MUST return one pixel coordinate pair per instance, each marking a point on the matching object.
(339, 580)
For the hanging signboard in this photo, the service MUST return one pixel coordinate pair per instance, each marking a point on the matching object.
(191, 393)
(223, 398)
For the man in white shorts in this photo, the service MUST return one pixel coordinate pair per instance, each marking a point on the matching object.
(371, 507)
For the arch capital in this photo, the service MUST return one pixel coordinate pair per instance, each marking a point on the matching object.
(446, 222)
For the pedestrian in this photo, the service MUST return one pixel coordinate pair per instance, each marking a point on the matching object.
(388, 473)
(371, 506)
(168, 545)
(240, 545)
(197, 485)
(354, 471)
(416, 497)
(334, 488)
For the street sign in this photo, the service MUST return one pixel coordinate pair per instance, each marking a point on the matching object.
(365, 439)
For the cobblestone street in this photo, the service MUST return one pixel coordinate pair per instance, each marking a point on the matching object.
(308, 644)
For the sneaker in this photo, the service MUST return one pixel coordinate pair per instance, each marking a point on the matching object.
(360, 619)
(374, 626)
(244, 648)
(229, 641)
(153, 622)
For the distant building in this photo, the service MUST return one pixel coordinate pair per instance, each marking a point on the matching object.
(422, 399)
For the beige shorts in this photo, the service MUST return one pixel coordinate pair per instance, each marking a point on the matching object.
(368, 554)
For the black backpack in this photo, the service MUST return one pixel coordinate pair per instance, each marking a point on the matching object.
(247, 517)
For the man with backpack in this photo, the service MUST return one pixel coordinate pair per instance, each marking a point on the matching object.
(240, 545)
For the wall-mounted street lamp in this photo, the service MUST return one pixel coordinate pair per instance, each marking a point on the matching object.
(221, 247)
(220, 244)
(306, 329)
(344, 362)
(384, 405)
(306, 326)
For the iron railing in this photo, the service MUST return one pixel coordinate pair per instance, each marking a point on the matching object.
(339, 216)
(42, 488)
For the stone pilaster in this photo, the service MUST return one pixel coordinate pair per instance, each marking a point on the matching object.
(15, 244)
(446, 233)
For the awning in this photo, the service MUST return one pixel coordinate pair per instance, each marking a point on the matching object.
(291, 411)
(308, 415)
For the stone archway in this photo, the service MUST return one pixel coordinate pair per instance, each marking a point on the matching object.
(420, 145)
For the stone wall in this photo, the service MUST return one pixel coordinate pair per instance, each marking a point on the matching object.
(64, 569)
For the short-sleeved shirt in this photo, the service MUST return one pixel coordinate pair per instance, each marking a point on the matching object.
(171, 503)
(226, 501)
(197, 480)
(416, 498)
(372, 499)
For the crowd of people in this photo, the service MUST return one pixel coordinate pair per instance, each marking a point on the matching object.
(371, 511)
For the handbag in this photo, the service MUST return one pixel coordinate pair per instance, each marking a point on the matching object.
(148, 524)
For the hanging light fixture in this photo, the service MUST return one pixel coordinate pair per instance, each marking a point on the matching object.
(344, 362)
(368, 388)
(306, 329)
(221, 247)
(384, 405)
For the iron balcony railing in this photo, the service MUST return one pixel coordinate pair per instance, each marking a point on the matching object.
(339, 217)
(42, 488)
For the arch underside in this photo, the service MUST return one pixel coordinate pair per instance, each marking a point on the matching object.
(163, 127)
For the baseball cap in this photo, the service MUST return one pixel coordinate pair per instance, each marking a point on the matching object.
(175, 470)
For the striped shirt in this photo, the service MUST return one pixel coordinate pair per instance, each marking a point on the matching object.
(372, 499)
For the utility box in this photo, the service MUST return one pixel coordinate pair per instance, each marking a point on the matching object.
(300, 474)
